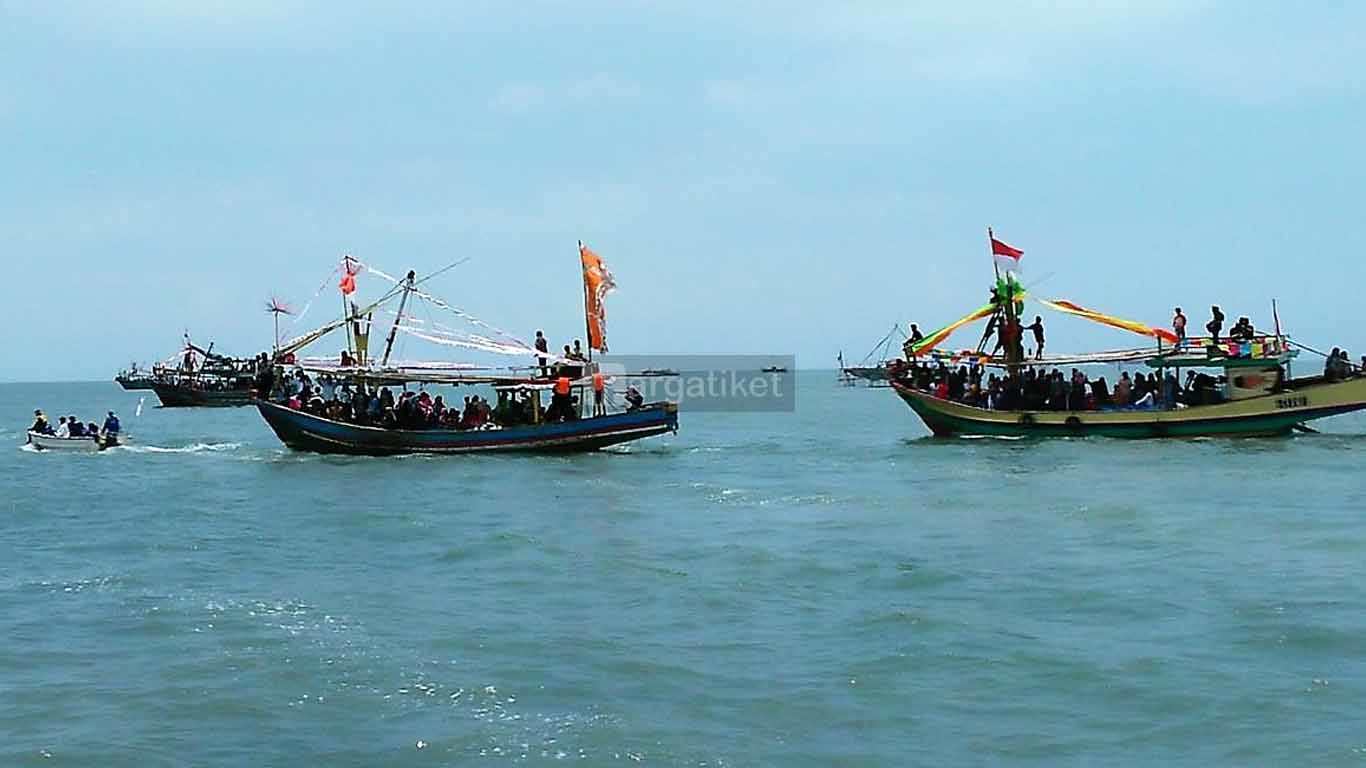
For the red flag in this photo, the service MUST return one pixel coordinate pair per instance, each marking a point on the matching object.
(999, 248)
(348, 281)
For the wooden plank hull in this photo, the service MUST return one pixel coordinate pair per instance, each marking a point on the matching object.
(1267, 415)
(182, 396)
(306, 432)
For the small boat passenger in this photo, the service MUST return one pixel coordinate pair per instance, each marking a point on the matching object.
(111, 426)
(41, 424)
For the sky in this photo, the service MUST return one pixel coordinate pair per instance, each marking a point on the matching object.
(762, 177)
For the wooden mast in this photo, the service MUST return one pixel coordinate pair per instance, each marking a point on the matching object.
(398, 317)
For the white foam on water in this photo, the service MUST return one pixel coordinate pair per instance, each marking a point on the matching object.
(192, 448)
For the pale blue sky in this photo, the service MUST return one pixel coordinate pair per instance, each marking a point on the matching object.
(762, 177)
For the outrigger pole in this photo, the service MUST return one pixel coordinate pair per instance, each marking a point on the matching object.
(398, 317)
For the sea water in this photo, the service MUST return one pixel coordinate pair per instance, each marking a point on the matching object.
(824, 587)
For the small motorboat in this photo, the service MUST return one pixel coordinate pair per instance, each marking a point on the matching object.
(773, 369)
(44, 442)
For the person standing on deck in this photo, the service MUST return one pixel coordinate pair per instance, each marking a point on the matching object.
(599, 394)
(543, 347)
(1179, 326)
(559, 401)
(1215, 324)
(1037, 328)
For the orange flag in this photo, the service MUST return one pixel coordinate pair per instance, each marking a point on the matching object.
(597, 283)
(348, 281)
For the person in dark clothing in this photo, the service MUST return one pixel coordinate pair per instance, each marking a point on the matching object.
(543, 347)
(1215, 324)
(40, 423)
(1036, 328)
(916, 335)
(77, 429)
(111, 425)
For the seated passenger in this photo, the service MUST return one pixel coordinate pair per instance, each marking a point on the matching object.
(74, 427)
(634, 399)
(62, 429)
(40, 423)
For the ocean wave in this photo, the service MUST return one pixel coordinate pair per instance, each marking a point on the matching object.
(192, 448)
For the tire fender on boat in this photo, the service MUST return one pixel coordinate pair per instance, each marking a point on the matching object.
(1073, 423)
(1027, 419)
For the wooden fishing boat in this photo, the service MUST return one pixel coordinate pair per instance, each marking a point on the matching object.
(1269, 414)
(201, 378)
(201, 393)
(308, 432)
(872, 370)
(1249, 391)
(573, 421)
(134, 379)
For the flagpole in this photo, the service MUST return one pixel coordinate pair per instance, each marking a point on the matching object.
(587, 321)
(991, 248)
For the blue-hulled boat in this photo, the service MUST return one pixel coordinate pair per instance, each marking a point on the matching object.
(311, 425)
(304, 431)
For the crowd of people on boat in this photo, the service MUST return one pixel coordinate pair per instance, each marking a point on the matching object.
(1338, 365)
(1040, 389)
(70, 426)
(338, 399)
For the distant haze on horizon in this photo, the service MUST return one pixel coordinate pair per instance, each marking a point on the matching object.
(761, 179)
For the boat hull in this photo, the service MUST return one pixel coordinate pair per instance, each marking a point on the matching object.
(181, 396)
(1267, 415)
(134, 382)
(303, 431)
(68, 444)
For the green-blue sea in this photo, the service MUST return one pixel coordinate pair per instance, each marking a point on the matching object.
(824, 587)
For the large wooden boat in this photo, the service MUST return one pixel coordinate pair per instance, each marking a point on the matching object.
(135, 379)
(200, 378)
(1247, 392)
(1269, 414)
(202, 394)
(572, 422)
(307, 432)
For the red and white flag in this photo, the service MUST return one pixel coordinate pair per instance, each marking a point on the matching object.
(1007, 256)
